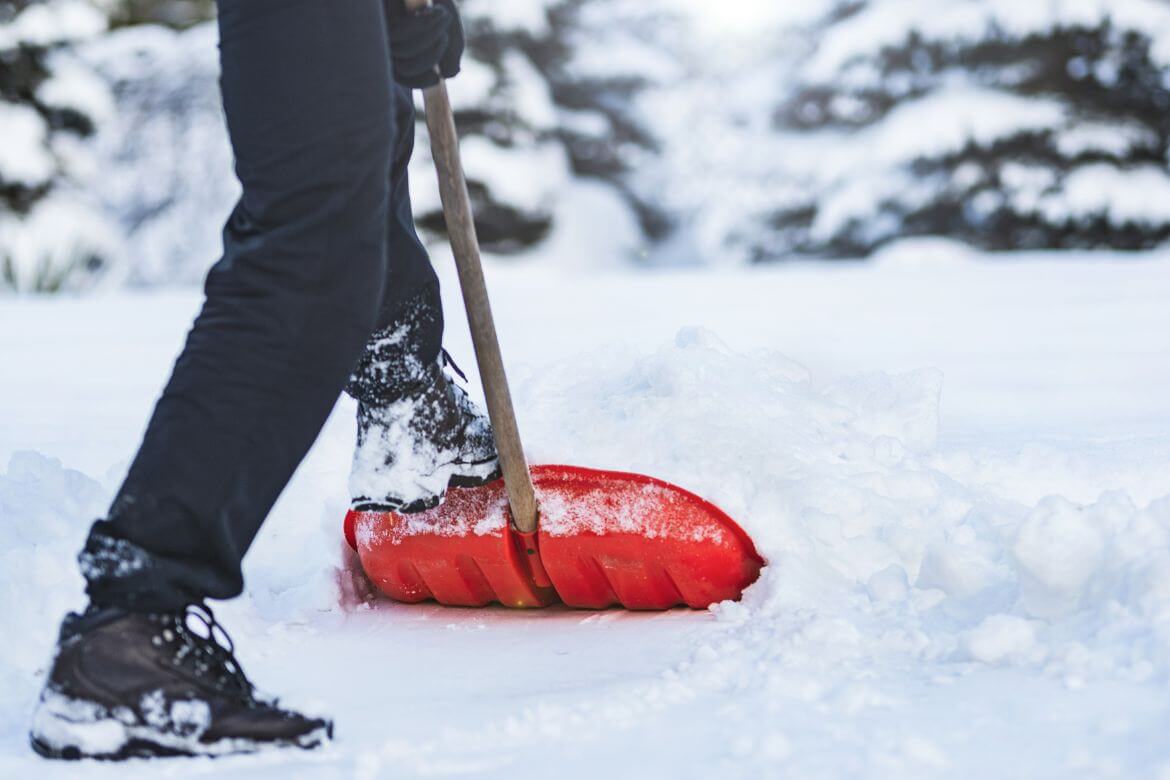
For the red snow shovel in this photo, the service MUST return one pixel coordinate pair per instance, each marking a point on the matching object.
(580, 536)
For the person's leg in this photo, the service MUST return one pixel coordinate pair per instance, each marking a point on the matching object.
(290, 306)
(408, 336)
(418, 432)
(307, 94)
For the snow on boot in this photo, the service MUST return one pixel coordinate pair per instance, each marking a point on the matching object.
(410, 451)
(127, 684)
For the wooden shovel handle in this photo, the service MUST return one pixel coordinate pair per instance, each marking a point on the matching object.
(465, 246)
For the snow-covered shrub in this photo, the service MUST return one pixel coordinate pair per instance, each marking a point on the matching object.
(52, 236)
(1007, 124)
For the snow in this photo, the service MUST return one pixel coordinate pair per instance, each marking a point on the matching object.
(24, 157)
(1137, 195)
(54, 245)
(63, 722)
(868, 169)
(944, 122)
(527, 177)
(592, 229)
(529, 16)
(1004, 639)
(71, 84)
(1117, 140)
(958, 472)
(391, 463)
(786, 130)
(745, 19)
(165, 166)
(51, 22)
(52, 234)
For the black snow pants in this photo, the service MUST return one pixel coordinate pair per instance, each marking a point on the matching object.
(320, 256)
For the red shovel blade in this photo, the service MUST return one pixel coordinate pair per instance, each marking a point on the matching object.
(605, 538)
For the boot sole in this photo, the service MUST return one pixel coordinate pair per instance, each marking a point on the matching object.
(135, 748)
(144, 748)
(488, 472)
(138, 741)
(141, 748)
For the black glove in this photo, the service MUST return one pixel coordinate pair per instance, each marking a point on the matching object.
(422, 41)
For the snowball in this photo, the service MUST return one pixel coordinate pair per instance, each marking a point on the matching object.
(958, 570)
(1004, 639)
(1057, 550)
(889, 584)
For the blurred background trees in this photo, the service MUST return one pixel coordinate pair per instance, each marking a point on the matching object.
(613, 131)
(1008, 125)
(547, 140)
(546, 144)
(178, 14)
(52, 234)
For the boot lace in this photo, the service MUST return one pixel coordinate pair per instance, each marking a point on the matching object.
(449, 362)
(203, 645)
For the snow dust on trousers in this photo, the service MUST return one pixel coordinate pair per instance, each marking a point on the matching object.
(320, 258)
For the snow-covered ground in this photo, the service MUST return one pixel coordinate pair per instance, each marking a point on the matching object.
(957, 467)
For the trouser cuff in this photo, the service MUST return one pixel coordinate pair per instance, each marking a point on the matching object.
(120, 574)
(400, 352)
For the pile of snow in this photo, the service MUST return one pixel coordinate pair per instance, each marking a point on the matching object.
(844, 492)
(45, 508)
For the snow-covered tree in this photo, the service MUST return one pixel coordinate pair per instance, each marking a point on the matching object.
(544, 142)
(167, 166)
(536, 127)
(712, 74)
(51, 235)
(1004, 123)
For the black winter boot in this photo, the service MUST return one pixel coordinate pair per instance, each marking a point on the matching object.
(127, 684)
(410, 451)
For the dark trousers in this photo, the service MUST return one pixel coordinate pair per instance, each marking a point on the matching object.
(320, 254)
